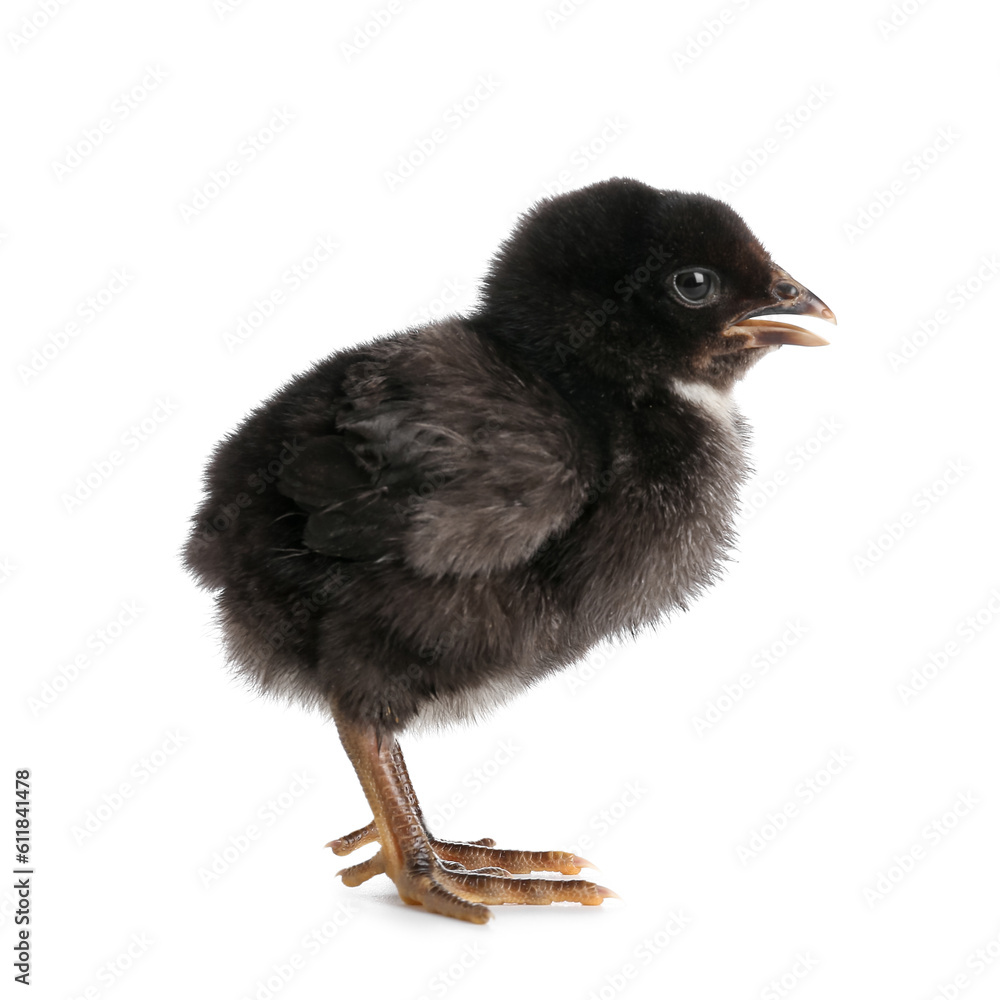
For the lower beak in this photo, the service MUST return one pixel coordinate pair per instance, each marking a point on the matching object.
(763, 329)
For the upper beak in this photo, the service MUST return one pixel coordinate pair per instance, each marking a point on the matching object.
(788, 297)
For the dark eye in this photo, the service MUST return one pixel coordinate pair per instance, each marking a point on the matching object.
(695, 285)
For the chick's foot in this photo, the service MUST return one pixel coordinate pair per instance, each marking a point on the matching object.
(454, 878)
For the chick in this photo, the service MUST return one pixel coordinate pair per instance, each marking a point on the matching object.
(419, 527)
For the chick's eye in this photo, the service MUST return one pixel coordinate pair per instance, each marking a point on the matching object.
(695, 285)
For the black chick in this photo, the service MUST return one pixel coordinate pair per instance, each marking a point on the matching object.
(423, 525)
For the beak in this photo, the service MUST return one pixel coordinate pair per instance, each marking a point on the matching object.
(788, 297)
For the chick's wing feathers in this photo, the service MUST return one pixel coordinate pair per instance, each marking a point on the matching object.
(348, 515)
(443, 456)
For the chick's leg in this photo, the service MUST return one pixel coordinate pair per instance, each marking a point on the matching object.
(451, 878)
(467, 854)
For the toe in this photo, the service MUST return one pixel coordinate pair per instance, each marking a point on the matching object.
(483, 888)
(516, 862)
(356, 874)
(436, 898)
(454, 866)
(359, 838)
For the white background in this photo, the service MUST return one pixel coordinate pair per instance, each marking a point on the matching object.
(608, 758)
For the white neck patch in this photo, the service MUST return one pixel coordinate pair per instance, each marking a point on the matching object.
(714, 401)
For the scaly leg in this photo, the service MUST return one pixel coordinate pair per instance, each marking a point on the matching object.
(447, 877)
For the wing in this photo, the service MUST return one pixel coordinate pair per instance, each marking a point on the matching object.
(451, 482)
(349, 507)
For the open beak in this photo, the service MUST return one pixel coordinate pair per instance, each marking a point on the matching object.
(788, 297)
